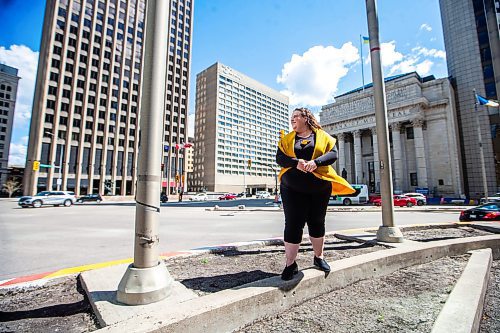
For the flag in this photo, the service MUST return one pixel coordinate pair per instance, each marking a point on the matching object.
(366, 40)
(488, 102)
(166, 148)
(188, 145)
(177, 146)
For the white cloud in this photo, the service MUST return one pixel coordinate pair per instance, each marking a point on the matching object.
(419, 60)
(17, 154)
(312, 78)
(26, 61)
(425, 27)
(429, 52)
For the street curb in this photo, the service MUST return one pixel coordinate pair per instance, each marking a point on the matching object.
(463, 309)
(228, 310)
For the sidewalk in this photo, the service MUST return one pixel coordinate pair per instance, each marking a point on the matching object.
(61, 304)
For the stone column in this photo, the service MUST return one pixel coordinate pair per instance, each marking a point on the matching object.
(418, 136)
(398, 157)
(358, 165)
(341, 148)
(376, 161)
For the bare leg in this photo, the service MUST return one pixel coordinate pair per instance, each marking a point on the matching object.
(291, 251)
(317, 244)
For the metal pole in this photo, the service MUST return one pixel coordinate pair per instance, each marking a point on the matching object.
(481, 153)
(387, 232)
(147, 280)
(362, 63)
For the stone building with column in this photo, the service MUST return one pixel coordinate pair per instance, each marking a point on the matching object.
(423, 135)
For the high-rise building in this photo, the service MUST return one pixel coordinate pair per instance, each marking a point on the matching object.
(8, 93)
(86, 108)
(471, 37)
(237, 126)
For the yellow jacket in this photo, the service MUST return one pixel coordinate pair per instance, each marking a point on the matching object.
(324, 143)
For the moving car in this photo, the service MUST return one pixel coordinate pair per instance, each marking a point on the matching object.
(90, 197)
(55, 198)
(494, 198)
(399, 200)
(228, 196)
(262, 195)
(421, 199)
(487, 212)
(199, 197)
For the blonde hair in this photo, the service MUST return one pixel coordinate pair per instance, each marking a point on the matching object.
(310, 119)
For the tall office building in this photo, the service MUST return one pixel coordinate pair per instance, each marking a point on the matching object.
(86, 108)
(471, 37)
(8, 93)
(237, 119)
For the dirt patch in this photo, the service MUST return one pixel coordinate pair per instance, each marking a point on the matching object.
(209, 273)
(408, 300)
(491, 312)
(435, 234)
(60, 305)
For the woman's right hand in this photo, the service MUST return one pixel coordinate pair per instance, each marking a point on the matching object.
(301, 165)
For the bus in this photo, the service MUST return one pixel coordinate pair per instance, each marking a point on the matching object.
(360, 197)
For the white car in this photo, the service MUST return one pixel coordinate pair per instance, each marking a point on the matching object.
(199, 197)
(494, 198)
(55, 198)
(421, 199)
(262, 195)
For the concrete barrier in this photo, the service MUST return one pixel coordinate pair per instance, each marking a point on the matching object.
(464, 307)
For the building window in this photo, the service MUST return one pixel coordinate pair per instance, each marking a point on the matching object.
(409, 133)
(413, 179)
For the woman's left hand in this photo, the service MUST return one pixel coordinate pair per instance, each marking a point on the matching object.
(310, 166)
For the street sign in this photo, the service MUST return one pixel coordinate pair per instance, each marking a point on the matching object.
(45, 165)
(59, 181)
(422, 190)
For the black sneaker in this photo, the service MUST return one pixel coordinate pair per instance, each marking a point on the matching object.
(321, 264)
(290, 271)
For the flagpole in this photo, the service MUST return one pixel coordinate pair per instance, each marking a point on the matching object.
(362, 63)
(481, 153)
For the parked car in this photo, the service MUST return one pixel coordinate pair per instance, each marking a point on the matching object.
(90, 197)
(487, 212)
(242, 194)
(163, 198)
(55, 198)
(228, 196)
(494, 198)
(199, 197)
(421, 199)
(399, 200)
(262, 195)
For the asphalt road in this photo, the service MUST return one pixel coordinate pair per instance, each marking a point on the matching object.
(34, 241)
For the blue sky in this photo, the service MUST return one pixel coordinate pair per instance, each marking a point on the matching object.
(308, 49)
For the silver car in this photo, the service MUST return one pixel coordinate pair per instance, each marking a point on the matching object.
(55, 198)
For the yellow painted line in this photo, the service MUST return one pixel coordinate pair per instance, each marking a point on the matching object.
(79, 269)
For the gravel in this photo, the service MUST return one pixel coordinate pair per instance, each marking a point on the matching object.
(405, 301)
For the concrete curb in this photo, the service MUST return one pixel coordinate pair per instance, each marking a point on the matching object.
(464, 307)
(231, 309)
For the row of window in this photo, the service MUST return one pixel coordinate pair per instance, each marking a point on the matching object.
(5, 87)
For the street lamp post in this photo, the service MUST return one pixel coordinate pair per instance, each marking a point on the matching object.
(388, 232)
(147, 280)
(59, 180)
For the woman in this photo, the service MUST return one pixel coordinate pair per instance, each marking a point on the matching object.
(307, 181)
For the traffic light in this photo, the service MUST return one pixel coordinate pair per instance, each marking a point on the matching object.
(36, 165)
(177, 178)
(249, 164)
(162, 166)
